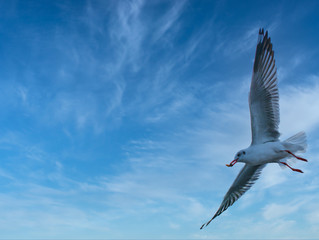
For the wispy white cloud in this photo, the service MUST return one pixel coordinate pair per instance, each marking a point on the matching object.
(240, 44)
(169, 20)
(49, 215)
(127, 35)
(5, 174)
(298, 108)
(274, 211)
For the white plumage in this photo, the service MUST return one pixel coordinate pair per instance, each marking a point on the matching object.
(264, 114)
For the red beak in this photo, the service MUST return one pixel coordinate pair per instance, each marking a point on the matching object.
(232, 163)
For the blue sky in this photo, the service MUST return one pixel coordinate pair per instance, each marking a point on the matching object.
(118, 117)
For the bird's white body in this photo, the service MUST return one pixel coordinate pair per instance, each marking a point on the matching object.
(269, 152)
(273, 152)
(264, 115)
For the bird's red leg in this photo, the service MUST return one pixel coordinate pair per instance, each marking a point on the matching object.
(300, 158)
(293, 169)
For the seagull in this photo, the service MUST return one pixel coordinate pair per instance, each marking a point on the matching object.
(264, 115)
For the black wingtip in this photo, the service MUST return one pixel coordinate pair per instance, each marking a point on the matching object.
(202, 226)
(260, 35)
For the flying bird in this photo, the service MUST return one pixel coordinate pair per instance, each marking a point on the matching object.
(264, 115)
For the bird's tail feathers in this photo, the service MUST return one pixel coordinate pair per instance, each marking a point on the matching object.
(296, 143)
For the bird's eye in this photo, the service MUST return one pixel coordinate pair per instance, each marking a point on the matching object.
(244, 152)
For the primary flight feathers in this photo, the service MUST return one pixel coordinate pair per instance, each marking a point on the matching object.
(264, 96)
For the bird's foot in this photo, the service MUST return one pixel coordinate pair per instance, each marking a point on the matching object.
(293, 169)
(300, 158)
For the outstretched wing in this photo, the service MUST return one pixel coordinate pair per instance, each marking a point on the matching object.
(245, 179)
(264, 96)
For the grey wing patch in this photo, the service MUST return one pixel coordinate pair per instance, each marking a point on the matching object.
(264, 95)
(245, 179)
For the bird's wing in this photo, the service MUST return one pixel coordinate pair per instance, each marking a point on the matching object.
(245, 179)
(264, 96)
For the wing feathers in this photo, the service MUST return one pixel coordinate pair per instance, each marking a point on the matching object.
(264, 96)
(245, 179)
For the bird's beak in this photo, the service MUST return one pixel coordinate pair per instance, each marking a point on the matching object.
(232, 163)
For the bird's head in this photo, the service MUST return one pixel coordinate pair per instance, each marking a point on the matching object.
(239, 157)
